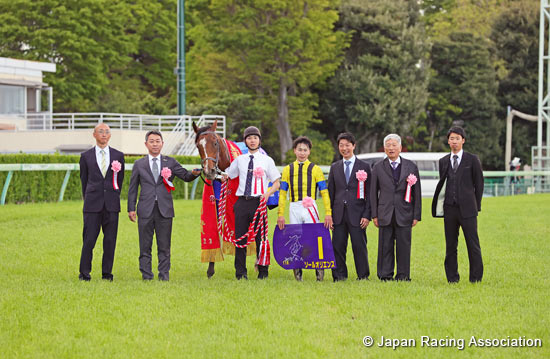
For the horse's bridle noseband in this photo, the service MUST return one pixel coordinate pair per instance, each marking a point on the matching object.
(219, 172)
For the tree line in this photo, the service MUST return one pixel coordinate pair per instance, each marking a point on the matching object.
(298, 67)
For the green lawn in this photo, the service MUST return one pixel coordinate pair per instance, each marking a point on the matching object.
(47, 313)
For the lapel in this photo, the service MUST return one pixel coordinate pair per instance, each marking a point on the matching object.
(404, 171)
(445, 165)
(354, 169)
(94, 158)
(148, 167)
(463, 163)
(339, 175)
(387, 167)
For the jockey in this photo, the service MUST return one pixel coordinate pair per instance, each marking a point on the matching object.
(301, 179)
(255, 170)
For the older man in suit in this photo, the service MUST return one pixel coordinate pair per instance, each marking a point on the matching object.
(396, 204)
(457, 199)
(155, 208)
(348, 187)
(101, 193)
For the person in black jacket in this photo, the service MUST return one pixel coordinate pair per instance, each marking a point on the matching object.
(351, 211)
(396, 202)
(101, 201)
(457, 199)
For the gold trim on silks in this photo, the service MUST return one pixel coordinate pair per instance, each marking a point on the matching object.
(229, 249)
(211, 255)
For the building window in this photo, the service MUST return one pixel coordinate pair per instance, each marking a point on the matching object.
(12, 99)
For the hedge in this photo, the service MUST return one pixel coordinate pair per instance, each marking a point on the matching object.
(44, 186)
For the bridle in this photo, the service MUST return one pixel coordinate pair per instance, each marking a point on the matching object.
(216, 160)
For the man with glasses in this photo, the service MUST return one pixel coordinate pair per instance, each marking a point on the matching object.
(101, 192)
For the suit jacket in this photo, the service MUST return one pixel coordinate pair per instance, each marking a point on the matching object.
(142, 175)
(470, 185)
(387, 198)
(98, 192)
(342, 194)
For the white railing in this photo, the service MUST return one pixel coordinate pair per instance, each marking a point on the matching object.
(180, 138)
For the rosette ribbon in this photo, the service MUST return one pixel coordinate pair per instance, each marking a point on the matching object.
(166, 173)
(411, 180)
(115, 167)
(361, 176)
(308, 204)
(258, 175)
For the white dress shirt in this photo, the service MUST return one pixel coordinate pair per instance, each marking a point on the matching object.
(352, 160)
(398, 161)
(151, 164)
(239, 168)
(460, 153)
(107, 157)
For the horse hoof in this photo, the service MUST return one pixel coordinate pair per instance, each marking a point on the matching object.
(210, 272)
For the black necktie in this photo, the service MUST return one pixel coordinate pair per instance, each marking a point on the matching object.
(455, 162)
(248, 186)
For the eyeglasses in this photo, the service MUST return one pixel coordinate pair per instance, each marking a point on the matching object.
(103, 132)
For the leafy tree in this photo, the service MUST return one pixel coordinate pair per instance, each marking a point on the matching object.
(464, 88)
(515, 35)
(275, 50)
(382, 85)
(84, 38)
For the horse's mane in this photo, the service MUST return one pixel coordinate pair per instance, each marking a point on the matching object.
(201, 131)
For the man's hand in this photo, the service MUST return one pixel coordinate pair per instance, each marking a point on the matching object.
(415, 221)
(196, 171)
(328, 222)
(375, 220)
(281, 222)
(132, 215)
(364, 223)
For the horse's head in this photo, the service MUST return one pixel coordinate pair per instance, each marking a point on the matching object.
(209, 145)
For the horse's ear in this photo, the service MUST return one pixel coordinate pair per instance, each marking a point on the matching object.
(213, 127)
(195, 128)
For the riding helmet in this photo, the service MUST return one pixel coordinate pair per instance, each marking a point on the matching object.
(251, 130)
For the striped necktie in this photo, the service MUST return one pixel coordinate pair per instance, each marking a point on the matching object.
(103, 163)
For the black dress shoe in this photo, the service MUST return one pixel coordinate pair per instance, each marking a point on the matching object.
(362, 278)
(108, 277)
(243, 277)
(85, 278)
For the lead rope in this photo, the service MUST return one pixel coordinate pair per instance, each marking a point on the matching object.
(250, 235)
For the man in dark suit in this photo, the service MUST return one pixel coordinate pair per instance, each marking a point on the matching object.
(395, 209)
(101, 201)
(457, 199)
(350, 208)
(155, 208)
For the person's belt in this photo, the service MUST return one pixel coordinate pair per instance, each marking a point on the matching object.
(249, 198)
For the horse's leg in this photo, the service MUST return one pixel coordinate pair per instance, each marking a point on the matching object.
(210, 272)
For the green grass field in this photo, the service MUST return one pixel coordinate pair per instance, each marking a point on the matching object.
(47, 313)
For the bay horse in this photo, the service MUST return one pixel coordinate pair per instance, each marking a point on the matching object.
(215, 159)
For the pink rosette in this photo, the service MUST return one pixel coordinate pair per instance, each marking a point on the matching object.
(258, 175)
(361, 176)
(166, 173)
(411, 181)
(116, 167)
(309, 203)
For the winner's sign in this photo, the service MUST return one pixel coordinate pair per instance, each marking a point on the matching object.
(305, 246)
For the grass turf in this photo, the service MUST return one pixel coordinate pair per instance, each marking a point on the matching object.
(46, 312)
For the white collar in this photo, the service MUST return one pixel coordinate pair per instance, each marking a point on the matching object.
(460, 153)
(151, 157)
(99, 149)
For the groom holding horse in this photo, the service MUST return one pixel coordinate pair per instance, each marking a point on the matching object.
(248, 167)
